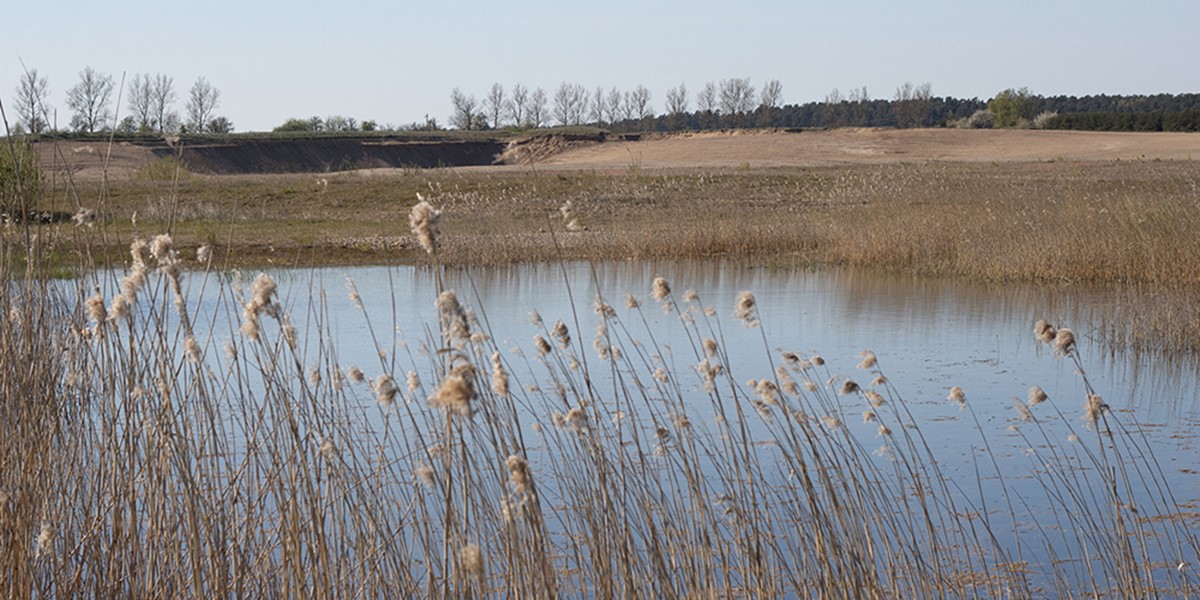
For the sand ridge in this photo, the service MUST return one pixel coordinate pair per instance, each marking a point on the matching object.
(777, 148)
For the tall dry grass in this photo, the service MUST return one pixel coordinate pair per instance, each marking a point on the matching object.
(172, 432)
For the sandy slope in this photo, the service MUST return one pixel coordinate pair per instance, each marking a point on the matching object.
(861, 146)
(759, 148)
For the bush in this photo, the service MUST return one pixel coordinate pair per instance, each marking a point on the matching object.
(1042, 121)
(981, 119)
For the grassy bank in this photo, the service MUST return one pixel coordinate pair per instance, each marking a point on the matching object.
(1124, 224)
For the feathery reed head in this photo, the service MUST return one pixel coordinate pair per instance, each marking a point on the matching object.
(660, 290)
(204, 254)
(874, 398)
(499, 376)
(425, 222)
(95, 308)
(1023, 411)
(602, 308)
(543, 347)
(472, 560)
(745, 308)
(45, 540)
(139, 251)
(518, 474)
(328, 449)
(1036, 396)
(1044, 331)
(560, 333)
(868, 359)
(385, 390)
(1064, 342)
(1094, 409)
(424, 475)
(456, 391)
(119, 308)
(958, 396)
(454, 318)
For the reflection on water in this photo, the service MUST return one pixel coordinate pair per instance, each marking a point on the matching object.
(929, 335)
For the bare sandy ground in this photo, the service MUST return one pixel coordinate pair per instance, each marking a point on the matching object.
(868, 146)
(761, 149)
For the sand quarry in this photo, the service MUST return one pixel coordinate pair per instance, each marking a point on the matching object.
(756, 149)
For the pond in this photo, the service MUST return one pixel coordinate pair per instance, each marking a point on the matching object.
(938, 418)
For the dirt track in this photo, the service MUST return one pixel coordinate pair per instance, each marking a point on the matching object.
(866, 146)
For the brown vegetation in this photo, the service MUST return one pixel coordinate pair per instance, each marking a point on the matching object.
(150, 451)
(1129, 223)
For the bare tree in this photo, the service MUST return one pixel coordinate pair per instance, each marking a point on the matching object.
(858, 100)
(637, 103)
(677, 106)
(537, 108)
(677, 99)
(597, 107)
(570, 104)
(202, 101)
(90, 99)
(464, 106)
(706, 104)
(613, 104)
(772, 94)
(833, 113)
(31, 102)
(769, 99)
(162, 96)
(493, 103)
(913, 104)
(141, 94)
(340, 123)
(737, 99)
(518, 104)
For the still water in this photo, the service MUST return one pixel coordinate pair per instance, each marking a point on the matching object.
(929, 336)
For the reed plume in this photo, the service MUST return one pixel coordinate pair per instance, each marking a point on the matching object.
(425, 222)
(660, 290)
(958, 396)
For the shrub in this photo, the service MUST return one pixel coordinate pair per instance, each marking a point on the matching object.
(1043, 119)
(981, 119)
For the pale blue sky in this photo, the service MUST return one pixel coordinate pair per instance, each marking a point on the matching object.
(397, 61)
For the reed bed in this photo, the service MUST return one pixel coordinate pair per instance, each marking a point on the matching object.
(1126, 226)
(172, 432)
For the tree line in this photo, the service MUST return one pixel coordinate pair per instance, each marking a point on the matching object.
(149, 101)
(735, 99)
(735, 103)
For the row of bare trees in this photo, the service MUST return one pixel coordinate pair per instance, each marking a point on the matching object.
(148, 100)
(731, 101)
